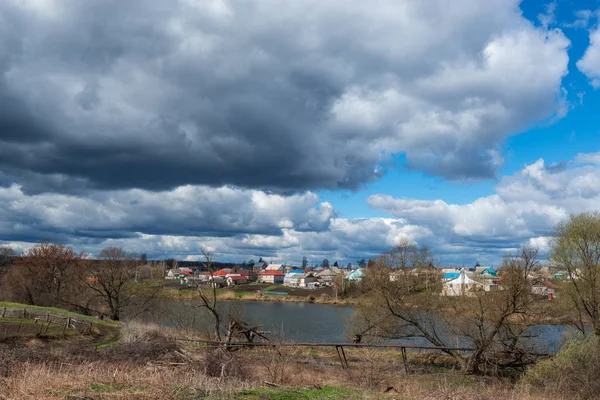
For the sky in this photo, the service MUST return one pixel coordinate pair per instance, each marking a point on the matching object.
(283, 128)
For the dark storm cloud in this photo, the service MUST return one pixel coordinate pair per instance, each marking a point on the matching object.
(114, 95)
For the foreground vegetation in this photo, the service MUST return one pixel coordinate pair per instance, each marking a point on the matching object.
(150, 363)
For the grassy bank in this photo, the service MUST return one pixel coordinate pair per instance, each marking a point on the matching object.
(149, 362)
(252, 292)
(101, 333)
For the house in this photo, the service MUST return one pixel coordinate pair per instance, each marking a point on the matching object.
(172, 274)
(461, 286)
(274, 277)
(327, 276)
(204, 276)
(222, 272)
(275, 267)
(236, 279)
(356, 275)
(485, 272)
(543, 288)
(186, 273)
(448, 276)
(307, 281)
(293, 277)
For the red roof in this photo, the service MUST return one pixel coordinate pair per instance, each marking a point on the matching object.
(222, 272)
(275, 273)
(186, 272)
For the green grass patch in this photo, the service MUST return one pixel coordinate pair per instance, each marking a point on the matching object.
(57, 311)
(325, 393)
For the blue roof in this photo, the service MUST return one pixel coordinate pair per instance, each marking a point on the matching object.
(451, 275)
(296, 271)
(488, 271)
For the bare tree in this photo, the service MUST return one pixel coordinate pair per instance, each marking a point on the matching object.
(576, 249)
(114, 283)
(7, 256)
(410, 306)
(407, 254)
(495, 322)
(208, 296)
(44, 274)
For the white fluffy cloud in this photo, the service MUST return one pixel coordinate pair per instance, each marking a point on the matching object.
(525, 209)
(187, 210)
(590, 63)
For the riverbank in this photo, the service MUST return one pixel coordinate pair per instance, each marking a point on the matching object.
(258, 292)
(544, 312)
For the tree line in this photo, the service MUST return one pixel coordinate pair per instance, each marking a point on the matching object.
(495, 325)
(55, 275)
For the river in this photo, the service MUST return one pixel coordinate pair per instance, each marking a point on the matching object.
(305, 322)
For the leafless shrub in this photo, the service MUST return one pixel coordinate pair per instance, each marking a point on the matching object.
(150, 346)
(219, 363)
(375, 370)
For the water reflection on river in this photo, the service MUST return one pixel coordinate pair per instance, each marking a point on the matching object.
(304, 322)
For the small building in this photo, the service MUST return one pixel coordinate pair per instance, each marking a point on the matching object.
(327, 276)
(543, 288)
(485, 272)
(307, 281)
(235, 279)
(448, 276)
(292, 278)
(172, 274)
(275, 267)
(222, 272)
(356, 275)
(186, 273)
(461, 286)
(274, 277)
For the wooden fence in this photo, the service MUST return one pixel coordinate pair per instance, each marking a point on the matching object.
(45, 320)
(339, 347)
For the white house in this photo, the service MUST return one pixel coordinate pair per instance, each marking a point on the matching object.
(307, 281)
(293, 278)
(275, 277)
(275, 267)
(543, 288)
(462, 285)
(236, 279)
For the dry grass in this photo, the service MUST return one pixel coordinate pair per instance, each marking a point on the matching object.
(151, 364)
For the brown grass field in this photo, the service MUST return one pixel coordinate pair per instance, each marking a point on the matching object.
(148, 362)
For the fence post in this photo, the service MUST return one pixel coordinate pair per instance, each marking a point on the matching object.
(403, 351)
(3, 312)
(67, 324)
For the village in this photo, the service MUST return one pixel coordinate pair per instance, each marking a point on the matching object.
(456, 281)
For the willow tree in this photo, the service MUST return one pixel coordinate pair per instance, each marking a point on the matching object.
(406, 303)
(576, 249)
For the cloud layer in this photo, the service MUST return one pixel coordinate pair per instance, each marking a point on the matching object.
(525, 209)
(277, 95)
(241, 223)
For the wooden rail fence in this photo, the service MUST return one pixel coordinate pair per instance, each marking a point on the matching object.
(45, 320)
(339, 347)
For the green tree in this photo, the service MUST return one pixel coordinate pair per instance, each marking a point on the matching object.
(576, 249)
